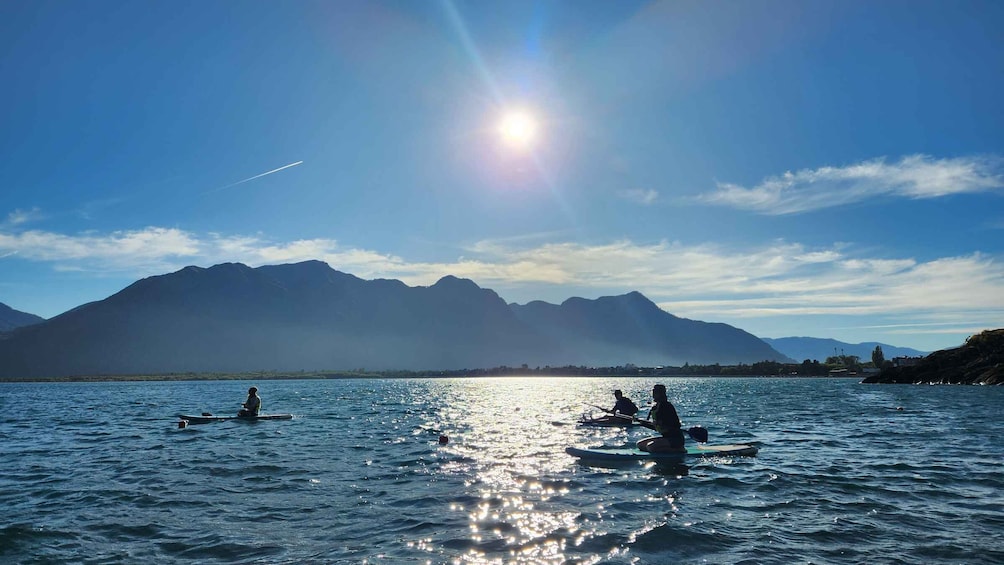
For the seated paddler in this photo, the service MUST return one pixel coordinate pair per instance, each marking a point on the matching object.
(624, 405)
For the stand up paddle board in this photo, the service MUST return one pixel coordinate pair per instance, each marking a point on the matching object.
(209, 419)
(635, 454)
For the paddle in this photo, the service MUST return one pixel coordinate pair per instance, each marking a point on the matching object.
(697, 433)
(611, 412)
(607, 410)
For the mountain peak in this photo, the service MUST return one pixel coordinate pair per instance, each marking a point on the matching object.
(229, 268)
(633, 298)
(452, 282)
(311, 265)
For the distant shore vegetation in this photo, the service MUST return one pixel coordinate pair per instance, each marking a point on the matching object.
(846, 367)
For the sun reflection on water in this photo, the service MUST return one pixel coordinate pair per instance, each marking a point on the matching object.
(512, 459)
(515, 487)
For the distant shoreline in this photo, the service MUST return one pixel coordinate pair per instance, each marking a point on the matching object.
(350, 375)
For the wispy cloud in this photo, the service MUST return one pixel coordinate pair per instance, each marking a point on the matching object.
(706, 282)
(915, 176)
(255, 177)
(641, 196)
(120, 251)
(20, 217)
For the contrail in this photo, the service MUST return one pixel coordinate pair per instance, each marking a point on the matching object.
(255, 177)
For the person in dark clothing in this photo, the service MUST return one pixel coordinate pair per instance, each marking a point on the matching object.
(252, 405)
(665, 421)
(624, 405)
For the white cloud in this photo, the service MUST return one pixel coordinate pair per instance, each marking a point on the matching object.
(915, 176)
(641, 196)
(956, 293)
(705, 282)
(116, 251)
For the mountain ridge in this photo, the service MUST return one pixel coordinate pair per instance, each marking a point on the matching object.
(11, 319)
(307, 316)
(819, 349)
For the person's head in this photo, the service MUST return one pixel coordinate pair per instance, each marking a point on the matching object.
(659, 392)
(618, 394)
(253, 390)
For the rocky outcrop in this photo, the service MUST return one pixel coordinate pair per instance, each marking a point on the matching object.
(980, 362)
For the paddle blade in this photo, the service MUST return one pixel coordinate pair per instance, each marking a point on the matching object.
(699, 434)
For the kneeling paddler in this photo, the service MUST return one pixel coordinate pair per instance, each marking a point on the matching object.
(665, 421)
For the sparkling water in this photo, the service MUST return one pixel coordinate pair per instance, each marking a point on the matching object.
(847, 473)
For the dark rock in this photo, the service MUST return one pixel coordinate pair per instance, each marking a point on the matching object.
(979, 361)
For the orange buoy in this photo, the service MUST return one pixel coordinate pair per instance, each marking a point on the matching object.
(182, 424)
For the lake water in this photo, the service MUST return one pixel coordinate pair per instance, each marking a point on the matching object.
(847, 473)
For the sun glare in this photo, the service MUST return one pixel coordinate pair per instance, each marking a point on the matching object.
(518, 129)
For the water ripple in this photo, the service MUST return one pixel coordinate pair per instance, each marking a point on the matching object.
(100, 470)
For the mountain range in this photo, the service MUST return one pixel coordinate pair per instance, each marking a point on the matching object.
(308, 316)
(818, 349)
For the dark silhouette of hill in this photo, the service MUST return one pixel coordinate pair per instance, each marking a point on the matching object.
(11, 318)
(819, 349)
(979, 361)
(308, 316)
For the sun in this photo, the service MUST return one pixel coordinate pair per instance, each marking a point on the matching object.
(518, 129)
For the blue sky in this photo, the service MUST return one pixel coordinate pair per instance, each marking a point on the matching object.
(827, 169)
